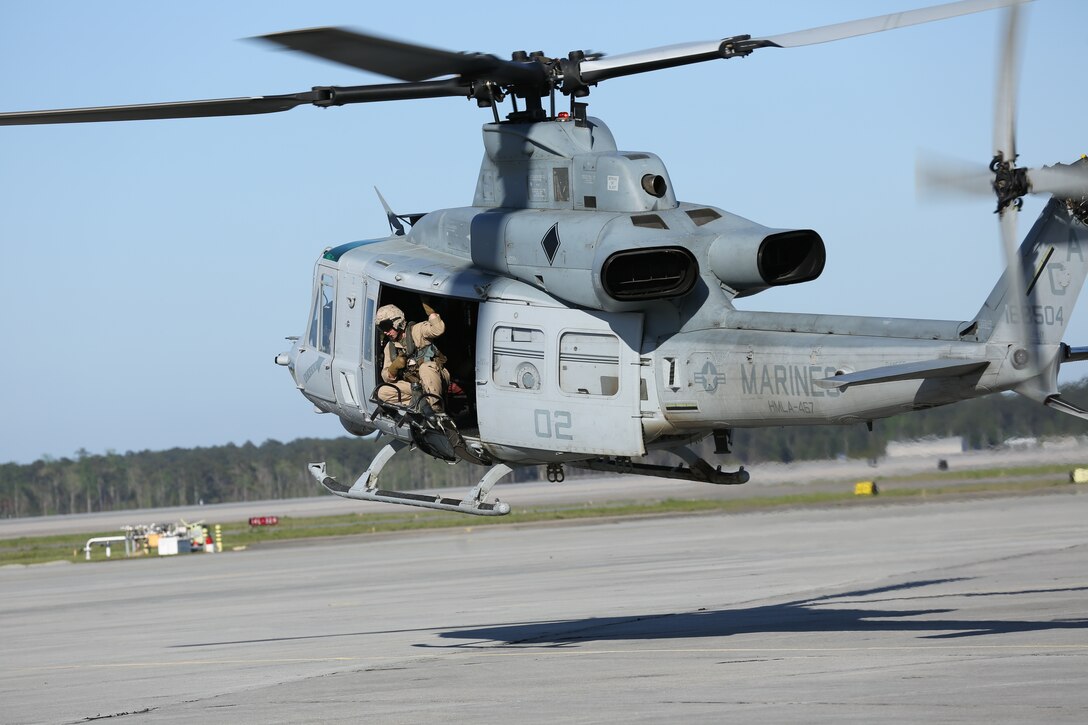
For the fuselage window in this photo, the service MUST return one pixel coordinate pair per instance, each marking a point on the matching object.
(589, 363)
(517, 357)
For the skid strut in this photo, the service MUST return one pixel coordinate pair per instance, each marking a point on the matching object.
(366, 488)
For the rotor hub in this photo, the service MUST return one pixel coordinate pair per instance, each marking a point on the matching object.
(1010, 183)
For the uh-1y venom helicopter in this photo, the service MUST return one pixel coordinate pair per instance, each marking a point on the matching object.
(589, 313)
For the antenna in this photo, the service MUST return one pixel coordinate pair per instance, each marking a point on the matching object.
(394, 221)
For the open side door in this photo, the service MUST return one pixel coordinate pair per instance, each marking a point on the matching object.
(559, 380)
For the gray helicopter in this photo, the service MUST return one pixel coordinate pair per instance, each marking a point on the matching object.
(588, 314)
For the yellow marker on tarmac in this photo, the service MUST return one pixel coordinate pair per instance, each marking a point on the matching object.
(865, 488)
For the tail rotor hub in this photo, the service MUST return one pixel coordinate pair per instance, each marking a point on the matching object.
(1010, 183)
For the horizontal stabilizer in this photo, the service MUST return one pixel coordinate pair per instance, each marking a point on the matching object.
(1073, 354)
(922, 370)
(1056, 402)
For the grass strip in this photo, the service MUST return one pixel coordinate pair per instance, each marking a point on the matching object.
(68, 547)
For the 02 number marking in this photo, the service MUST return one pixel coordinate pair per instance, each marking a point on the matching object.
(552, 424)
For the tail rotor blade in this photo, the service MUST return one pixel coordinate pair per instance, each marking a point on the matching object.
(1005, 103)
(941, 176)
(1017, 300)
(1066, 181)
(938, 177)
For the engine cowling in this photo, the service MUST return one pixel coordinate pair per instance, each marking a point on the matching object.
(751, 263)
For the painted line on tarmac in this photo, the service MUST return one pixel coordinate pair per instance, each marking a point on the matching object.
(541, 650)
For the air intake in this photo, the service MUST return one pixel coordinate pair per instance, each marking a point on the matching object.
(649, 274)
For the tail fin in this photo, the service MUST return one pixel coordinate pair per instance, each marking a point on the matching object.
(1054, 263)
(1053, 260)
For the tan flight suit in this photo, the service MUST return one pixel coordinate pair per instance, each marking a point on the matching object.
(431, 376)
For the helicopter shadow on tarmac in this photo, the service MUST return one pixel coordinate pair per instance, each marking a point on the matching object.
(820, 614)
(813, 615)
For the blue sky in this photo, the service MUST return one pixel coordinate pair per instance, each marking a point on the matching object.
(149, 272)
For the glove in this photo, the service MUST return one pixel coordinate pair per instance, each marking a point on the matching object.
(398, 364)
(428, 309)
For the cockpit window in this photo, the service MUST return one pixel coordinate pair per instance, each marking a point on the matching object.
(321, 322)
(328, 294)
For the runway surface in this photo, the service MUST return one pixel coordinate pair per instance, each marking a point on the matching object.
(970, 611)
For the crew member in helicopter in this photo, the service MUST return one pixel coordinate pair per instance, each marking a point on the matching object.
(412, 357)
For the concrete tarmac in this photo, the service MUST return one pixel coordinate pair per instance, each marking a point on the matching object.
(969, 611)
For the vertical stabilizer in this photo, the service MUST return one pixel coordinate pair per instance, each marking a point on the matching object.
(1053, 264)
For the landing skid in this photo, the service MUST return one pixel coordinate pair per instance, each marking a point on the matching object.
(366, 488)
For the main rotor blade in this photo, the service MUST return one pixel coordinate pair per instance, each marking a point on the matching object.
(318, 96)
(592, 71)
(1005, 98)
(892, 21)
(405, 61)
(152, 111)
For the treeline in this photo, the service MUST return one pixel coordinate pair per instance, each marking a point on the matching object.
(151, 479)
(181, 477)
